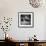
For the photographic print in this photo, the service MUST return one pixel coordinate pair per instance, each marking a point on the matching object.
(25, 19)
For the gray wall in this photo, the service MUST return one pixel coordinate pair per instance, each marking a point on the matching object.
(10, 8)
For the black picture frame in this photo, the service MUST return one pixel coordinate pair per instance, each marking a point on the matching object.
(25, 19)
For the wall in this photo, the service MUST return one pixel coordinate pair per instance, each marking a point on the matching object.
(10, 8)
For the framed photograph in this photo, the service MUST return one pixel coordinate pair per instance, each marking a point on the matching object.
(26, 19)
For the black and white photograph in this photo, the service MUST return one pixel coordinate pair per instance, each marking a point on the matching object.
(25, 19)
